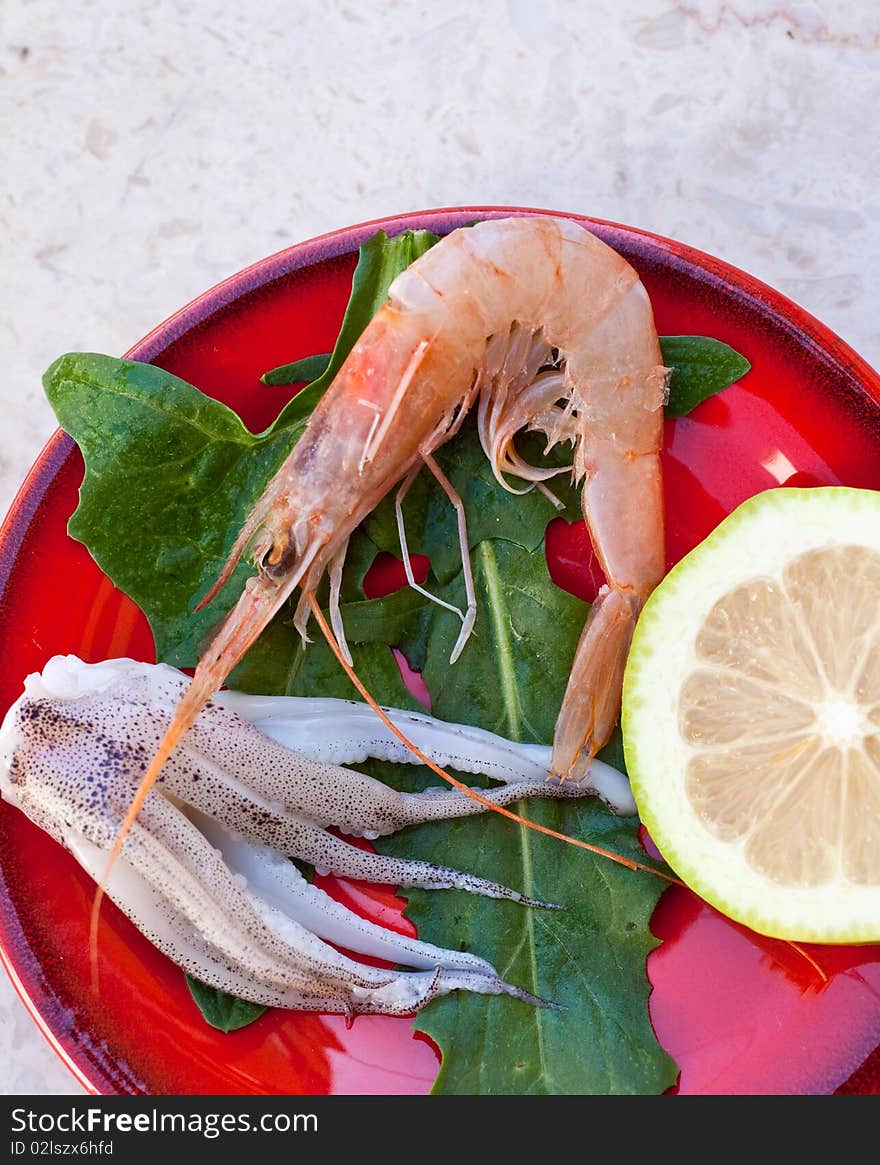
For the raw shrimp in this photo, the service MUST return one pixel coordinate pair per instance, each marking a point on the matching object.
(549, 329)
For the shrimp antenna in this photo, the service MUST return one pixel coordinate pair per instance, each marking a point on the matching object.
(426, 760)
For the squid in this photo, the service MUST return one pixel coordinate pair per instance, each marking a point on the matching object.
(204, 873)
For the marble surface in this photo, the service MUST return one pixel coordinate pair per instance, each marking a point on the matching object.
(152, 148)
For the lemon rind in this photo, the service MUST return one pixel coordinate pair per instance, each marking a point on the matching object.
(757, 540)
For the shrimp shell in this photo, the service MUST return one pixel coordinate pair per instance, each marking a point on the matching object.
(473, 318)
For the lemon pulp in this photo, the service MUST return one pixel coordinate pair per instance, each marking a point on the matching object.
(752, 715)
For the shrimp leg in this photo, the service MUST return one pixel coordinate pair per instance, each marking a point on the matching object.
(468, 617)
(404, 548)
(464, 545)
(335, 613)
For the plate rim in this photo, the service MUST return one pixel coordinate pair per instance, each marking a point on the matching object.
(795, 322)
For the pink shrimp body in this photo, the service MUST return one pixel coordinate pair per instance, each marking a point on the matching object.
(480, 315)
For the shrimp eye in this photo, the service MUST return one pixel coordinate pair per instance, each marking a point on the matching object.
(278, 557)
(272, 553)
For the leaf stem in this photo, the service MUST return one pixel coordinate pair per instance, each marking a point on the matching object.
(500, 626)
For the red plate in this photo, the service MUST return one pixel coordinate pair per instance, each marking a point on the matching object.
(739, 1013)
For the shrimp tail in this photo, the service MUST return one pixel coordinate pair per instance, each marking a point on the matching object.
(591, 703)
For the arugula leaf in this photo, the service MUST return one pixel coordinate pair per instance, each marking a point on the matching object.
(220, 1010)
(512, 672)
(385, 620)
(309, 368)
(588, 957)
(492, 512)
(279, 665)
(700, 368)
(170, 477)
(380, 261)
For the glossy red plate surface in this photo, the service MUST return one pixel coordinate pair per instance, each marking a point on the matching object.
(739, 1013)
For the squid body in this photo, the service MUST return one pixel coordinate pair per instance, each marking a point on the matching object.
(204, 873)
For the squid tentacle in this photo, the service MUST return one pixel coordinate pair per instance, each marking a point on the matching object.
(202, 873)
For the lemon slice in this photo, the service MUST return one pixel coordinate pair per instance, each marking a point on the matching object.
(751, 715)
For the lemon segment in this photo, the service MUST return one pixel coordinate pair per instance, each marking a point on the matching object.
(751, 715)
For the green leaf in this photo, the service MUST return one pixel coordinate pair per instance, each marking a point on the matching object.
(384, 620)
(220, 1010)
(492, 512)
(279, 665)
(307, 369)
(380, 262)
(511, 675)
(700, 368)
(588, 957)
(170, 477)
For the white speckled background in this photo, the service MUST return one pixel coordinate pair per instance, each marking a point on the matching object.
(152, 147)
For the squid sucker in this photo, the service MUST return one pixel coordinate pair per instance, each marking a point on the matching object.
(204, 871)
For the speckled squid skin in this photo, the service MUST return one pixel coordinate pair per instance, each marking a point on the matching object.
(203, 872)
